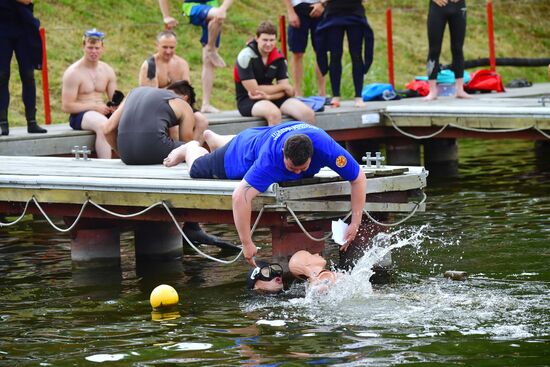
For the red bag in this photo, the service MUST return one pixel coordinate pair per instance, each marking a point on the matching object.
(420, 86)
(485, 81)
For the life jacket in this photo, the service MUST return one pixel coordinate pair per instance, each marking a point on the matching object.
(485, 81)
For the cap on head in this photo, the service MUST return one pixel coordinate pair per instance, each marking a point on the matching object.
(253, 273)
(93, 34)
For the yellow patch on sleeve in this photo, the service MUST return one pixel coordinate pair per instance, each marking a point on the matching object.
(341, 161)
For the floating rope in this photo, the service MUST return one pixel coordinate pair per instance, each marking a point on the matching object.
(420, 137)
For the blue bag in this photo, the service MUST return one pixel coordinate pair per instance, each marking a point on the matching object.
(316, 103)
(378, 92)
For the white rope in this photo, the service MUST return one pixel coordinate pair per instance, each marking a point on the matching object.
(52, 223)
(402, 220)
(305, 231)
(2, 224)
(419, 137)
(124, 215)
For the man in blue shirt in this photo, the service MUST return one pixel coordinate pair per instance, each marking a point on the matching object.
(264, 155)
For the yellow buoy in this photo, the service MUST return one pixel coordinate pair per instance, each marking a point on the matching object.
(163, 296)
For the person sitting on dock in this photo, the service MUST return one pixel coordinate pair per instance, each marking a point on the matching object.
(264, 155)
(165, 67)
(311, 268)
(86, 83)
(265, 278)
(258, 64)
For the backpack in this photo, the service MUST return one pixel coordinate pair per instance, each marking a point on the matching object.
(420, 86)
(378, 92)
(485, 81)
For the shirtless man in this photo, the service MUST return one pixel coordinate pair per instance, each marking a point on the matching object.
(86, 85)
(164, 68)
(208, 15)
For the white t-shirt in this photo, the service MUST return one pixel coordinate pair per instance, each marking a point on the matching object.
(296, 2)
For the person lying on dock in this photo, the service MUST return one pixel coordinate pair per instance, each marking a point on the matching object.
(165, 67)
(265, 278)
(265, 155)
(311, 268)
(86, 84)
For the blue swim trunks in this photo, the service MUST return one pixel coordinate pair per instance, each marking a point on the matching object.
(197, 11)
(75, 120)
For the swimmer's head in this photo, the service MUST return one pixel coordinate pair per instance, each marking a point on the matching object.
(265, 277)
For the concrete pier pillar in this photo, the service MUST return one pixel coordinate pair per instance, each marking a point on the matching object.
(441, 157)
(367, 231)
(286, 240)
(158, 241)
(403, 152)
(95, 247)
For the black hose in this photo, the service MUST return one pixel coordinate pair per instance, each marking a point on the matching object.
(503, 61)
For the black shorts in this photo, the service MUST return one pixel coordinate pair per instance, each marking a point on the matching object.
(210, 165)
(245, 104)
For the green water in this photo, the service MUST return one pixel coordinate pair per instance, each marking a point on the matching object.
(493, 222)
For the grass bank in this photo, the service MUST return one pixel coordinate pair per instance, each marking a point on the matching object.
(521, 30)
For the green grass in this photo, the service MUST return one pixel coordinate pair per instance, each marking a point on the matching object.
(130, 26)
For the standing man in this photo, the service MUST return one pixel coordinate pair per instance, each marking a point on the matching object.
(258, 64)
(303, 17)
(210, 16)
(164, 68)
(86, 85)
(265, 155)
(19, 34)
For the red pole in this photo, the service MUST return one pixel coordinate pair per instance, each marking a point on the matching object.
(389, 36)
(491, 34)
(45, 83)
(282, 32)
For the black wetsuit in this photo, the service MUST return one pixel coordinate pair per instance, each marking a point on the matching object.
(143, 136)
(438, 16)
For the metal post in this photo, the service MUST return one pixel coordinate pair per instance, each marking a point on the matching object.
(491, 34)
(389, 36)
(45, 82)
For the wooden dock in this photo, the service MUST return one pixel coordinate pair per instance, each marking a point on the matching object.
(101, 196)
(520, 108)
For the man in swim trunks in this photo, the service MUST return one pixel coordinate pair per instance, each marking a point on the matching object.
(164, 68)
(86, 85)
(139, 130)
(209, 15)
(265, 155)
(258, 64)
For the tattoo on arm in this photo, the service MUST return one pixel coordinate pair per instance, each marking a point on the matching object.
(246, 188)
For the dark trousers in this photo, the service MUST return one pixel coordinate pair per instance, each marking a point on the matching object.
(335, 40)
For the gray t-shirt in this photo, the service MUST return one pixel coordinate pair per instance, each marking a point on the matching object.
(143, 136)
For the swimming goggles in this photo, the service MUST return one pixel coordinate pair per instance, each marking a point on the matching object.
(94, 33)
(267, 272)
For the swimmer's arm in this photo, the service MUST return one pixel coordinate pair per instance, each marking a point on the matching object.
(111, 83)
(358, 192)
(169, 22)
(242, 211)
(110, 129)
(143, 80)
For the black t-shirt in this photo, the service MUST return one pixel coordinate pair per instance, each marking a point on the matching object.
(249, 65)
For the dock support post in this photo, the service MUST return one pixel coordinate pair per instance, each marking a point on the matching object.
(158, 241)
(358, 148)
(441, 157)
(95, 247)
(286, 240)
(367, 231)
(403, 152)
(542, 153)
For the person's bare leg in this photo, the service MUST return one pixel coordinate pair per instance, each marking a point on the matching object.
(207, 84)
(267, 110)
(214, 29)
(94, 121)
(201, 124)
(298, 110)
(433, 91)
(297, 69)
(216, 141)
(459, 86)
(187, 152)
